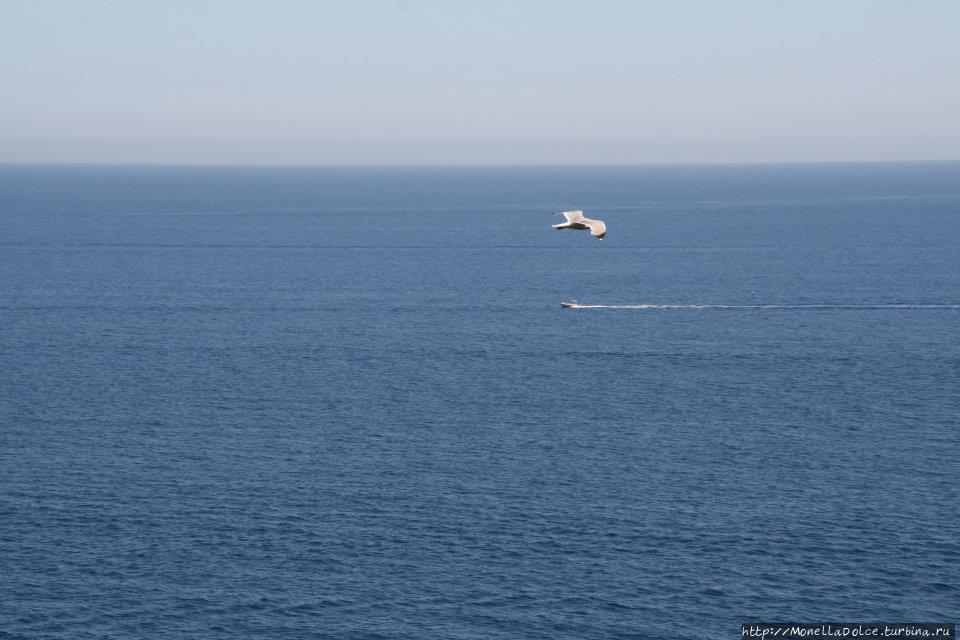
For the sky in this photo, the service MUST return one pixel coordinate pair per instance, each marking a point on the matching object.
(478, 82)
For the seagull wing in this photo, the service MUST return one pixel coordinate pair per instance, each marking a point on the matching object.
(597, 228)
(573, 216)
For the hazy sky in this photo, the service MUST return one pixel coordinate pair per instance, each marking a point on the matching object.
(486, 81)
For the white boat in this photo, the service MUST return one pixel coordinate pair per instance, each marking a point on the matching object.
(570, 305)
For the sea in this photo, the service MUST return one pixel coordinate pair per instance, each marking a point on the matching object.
(345, 402)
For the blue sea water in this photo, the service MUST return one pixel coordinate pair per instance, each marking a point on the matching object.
(345, 403)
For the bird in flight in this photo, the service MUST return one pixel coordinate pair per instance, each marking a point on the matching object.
(575, 220)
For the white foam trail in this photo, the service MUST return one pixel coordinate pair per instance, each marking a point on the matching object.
(850, 307)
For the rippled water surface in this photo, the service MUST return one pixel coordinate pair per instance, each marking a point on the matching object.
(346, 403)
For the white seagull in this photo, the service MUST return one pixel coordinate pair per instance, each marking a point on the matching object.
(575, 220)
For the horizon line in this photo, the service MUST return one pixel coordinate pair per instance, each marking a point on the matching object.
(473, 165)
